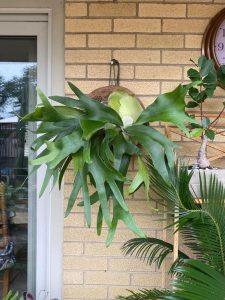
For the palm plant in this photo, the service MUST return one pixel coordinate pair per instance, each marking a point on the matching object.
(202, 224)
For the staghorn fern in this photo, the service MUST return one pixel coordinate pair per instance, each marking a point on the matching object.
(92, 137)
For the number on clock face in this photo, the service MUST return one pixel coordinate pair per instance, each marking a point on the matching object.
(220, 44)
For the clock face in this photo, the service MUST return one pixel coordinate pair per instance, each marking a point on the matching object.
(213, 42)
(219, 44)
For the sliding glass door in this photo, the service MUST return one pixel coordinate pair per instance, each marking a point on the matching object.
(18, 79)
(23, 65)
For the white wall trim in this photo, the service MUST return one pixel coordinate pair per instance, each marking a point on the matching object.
(54, 10)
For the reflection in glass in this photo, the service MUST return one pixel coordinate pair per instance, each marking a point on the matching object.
(18, 76)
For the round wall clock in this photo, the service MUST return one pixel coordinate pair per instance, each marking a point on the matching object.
(213, 43)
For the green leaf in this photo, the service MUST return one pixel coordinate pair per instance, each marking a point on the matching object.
(63, 169)
(221, 75)
(193, 93)
(67, 101)
(49, 108)
(192, 104)
(142, 176)
(193, 74)
(95, 110)
(205, 122)
(206, 67)
(126, 217)
(210, 134)
(73, 196)
(156, 145)
(86, 197)
(99, 221)
(202, 61)
(198, 281)
(90, 127)
(150, 250)
(169, 107)
(197, 132)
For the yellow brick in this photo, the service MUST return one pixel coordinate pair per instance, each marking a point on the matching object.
(179, 57)
(83, 235)
(84, 292)
(147, 100)
(104, 278)
(203, 11)
(74, 219)
(185, 1)
(158, 72)
(73, 248)
(116, 291)
(69, 176)
(160, 41)
(102, 71)
(193, 41)
(84, 263)
(168, 86)
(128, 265)
(88, 56)
(76, 9)
(72, 277)
(111, 40)
(142, 87)
(148, 280)
(147, 221)
(162, 10)
(78, 71)
(88, 25)
(75, 40)
(100, 249)
(137, 56)
(184, 25)
(137, 25)
(158, 1)
(112, 10)
(87, 86)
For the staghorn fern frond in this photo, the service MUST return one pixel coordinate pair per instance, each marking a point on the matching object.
(150, 250)
(146, 294)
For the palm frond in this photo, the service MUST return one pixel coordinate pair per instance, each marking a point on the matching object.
(146, 294)
(202, 225)
(198, 281)
(204, 228)
(151, 250)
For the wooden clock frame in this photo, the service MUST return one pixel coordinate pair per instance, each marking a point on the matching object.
(208, 41)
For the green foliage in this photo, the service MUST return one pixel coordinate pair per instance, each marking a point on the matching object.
(92, 137)
(204, 82)
(197, 281)
(145, 294)
(12, 296)
(202, 225)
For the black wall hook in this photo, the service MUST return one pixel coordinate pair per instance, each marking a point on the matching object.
(114, 74)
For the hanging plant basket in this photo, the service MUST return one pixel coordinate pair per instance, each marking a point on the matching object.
(101, 94)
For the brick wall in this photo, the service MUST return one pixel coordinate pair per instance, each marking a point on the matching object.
(154, 41)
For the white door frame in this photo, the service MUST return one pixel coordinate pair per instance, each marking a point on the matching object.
(50, 207)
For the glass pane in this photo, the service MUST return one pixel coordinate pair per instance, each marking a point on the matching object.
(18, 76)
